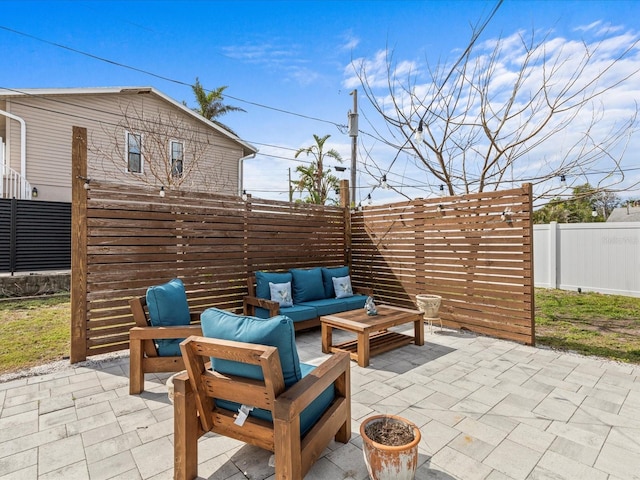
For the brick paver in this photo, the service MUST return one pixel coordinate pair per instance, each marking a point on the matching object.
(487, 409)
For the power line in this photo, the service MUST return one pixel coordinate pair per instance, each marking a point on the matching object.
(340, 127)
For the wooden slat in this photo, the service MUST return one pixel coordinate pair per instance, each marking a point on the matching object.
(477, 260)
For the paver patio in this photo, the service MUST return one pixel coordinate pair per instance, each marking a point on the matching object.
(487, 409)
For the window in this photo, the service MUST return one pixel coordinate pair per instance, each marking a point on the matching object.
(177, 158)
(134, 152)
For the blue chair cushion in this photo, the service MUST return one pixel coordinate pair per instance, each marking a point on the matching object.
(169, 347)
(262, 282)
(328, 273)
(307, 284)
(167, 306)
(308, 417)
(275, 332)
(297, 313)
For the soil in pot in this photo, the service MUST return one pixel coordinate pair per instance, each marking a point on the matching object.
(390, 433)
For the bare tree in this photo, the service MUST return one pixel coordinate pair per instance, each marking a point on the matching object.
(488, 121)
(173, 153)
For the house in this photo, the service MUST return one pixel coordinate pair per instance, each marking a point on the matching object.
(625, 214)
(134, 135)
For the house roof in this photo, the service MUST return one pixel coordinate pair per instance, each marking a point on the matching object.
(247, 148)
(625, 214)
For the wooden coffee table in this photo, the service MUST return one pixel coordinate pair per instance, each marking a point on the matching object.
(371, 330)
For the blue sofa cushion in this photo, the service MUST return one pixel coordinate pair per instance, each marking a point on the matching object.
(309, 415)
(327, 306)
(167, 306)
(281, 293)
(275, 332)
(327, 279)
(354, 302)
(263, 279)
(297, 313)
(307, 284)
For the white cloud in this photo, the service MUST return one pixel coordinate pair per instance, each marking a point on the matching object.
(350, 41)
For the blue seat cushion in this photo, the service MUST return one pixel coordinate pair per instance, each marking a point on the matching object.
(262, 282)
(327, 306)
(308, 417)
(167, 306)
(354, 302)
(327, 279)
(307, 284)
(297, 313)
(275, 332)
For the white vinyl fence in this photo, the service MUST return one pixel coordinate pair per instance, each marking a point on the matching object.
(597, 257)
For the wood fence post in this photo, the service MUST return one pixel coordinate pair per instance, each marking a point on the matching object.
(78, 246)
(528, 188)
(345, 204)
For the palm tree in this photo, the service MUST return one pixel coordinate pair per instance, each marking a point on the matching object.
(314, 179)
(307, 183)
(210, 105)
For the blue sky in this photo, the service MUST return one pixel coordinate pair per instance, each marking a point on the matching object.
(286, 63)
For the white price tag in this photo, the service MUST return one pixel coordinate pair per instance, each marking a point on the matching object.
(243, 413)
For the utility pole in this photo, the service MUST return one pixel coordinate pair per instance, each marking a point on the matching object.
(353, 133)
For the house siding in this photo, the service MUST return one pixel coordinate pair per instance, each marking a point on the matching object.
(211, 158)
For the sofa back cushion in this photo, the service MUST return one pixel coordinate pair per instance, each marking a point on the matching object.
(275, 332)
(264, 278)
(307, 284)
(328, 274)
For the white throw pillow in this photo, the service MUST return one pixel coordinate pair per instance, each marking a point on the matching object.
(281, 293)
(342, 286)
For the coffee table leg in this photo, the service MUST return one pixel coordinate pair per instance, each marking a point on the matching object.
(327, 337)
(418, 332)
(363, 349)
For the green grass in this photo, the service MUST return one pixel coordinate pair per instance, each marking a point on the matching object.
(589, 323)
(34, 332)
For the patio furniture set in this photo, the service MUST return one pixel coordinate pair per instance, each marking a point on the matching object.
(242, 376)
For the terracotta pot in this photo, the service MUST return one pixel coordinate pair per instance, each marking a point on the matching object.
(429, 304)
(386, 462)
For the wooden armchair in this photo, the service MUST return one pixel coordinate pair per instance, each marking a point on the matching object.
(144, 357)
(197, 412)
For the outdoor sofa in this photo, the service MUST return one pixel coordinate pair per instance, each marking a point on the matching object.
(303, 294)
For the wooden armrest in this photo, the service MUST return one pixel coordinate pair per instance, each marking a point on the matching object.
(249, 304)
(151, 333)
(292, 402)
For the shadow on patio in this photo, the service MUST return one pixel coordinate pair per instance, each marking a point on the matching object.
(486, 408)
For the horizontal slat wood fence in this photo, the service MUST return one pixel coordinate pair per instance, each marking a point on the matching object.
(126, 239)
(135, 238)
(473, 250)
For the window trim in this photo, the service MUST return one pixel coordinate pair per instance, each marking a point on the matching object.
(181, 173)
(127, 134)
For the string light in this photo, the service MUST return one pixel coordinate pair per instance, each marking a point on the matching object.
(418, 135)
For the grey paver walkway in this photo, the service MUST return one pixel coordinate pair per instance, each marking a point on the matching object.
(487, 409)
